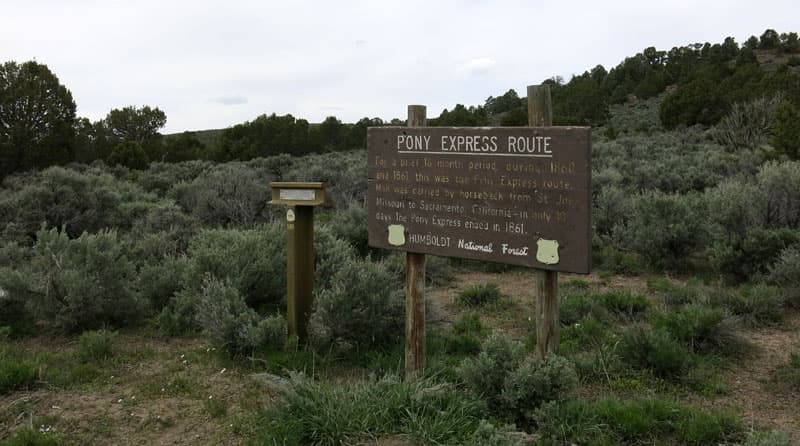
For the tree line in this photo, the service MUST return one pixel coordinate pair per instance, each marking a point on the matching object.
(700, 84)
(39, 128)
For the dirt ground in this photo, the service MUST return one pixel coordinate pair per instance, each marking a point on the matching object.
(750, 394)
(179, 392)
(159, 393)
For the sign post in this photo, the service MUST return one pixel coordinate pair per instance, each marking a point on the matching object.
(516, 195)
(540, 114)
(301, 199)
(415, 286)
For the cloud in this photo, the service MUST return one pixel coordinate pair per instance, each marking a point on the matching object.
(238, 63)
(229, 100)
(480, 65)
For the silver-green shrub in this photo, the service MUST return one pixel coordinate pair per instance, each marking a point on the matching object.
(350, 224)
(275, 165)
(223, 316)
(753, 305)
(64, 198)
(636, 117)
(666, 228)
(79, 284)
(160, 177)
(536, 382)
(96, 344)
(749, 256)
(701, 328)
(487, 434)
(786, 270)
(667, 161)
(771, 438)
(732, 207)
(344, 172)
(160, 280)
(251, 260)
(168, 218)
(655, 350)
(178, 316)
(330, 254)
(229, 195)
(515, 384)
(779, 194)
(486, 373)
(611, 209)
(363, 304)
(747, 125)
(753, 219)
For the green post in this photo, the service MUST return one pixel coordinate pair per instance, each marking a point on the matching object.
(300, 198)
(300, 270)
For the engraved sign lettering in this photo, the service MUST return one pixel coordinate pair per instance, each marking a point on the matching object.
(297, 194)
(504, 194)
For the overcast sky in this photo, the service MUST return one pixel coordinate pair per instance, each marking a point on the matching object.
(215, 64)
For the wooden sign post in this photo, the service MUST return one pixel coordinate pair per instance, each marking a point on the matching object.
(415, 286)
(540, 114)
(517, 195)
(301, 199)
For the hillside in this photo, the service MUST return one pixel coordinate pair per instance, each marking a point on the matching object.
(697, 84)
(147, 304)
(691, 309)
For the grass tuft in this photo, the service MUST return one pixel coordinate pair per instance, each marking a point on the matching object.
(702, 329)
(321, 413)
(655, 350)
(479, 295)
(755, 305)
(787, 376)
(652, 421)
(673, 294)
(16, 374)
(575, 306)
(96, 345)
(32, 437)
(624, 302)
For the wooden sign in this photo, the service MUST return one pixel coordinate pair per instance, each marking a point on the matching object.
(301, 197)
(298, 193)
(504, 194)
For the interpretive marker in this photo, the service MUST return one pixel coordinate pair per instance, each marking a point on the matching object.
(301, 199)
(297, 194)
(517, 195)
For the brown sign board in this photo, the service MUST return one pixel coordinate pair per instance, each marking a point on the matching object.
(517, 195)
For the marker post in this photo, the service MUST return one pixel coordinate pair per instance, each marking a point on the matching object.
(301, 198)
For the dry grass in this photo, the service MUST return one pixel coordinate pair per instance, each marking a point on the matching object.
(749, 397)
(156, 390)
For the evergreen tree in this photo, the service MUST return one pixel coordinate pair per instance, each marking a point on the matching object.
(129, 154)
(37, 118)
(135, 124)
(786, 130)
